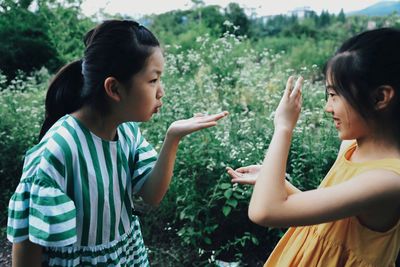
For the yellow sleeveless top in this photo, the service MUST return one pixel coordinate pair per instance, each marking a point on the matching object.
(343, 242)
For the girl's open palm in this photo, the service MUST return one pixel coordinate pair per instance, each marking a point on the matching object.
(244, 175)
(288, 110)
(181, 128)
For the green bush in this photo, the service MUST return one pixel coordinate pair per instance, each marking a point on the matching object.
(25, 43)
(21, 113)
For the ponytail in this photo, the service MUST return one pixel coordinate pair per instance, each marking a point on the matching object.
(63, 95)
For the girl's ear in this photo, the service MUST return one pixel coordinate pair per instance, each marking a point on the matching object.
(112, 88)
(383, 96)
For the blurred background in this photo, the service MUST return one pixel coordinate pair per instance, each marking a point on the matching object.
(220, 55)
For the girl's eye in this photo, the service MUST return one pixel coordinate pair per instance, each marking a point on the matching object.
(153, 81)
(329, 94)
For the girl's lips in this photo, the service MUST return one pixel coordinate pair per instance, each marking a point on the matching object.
(337, 122)
(157, 109)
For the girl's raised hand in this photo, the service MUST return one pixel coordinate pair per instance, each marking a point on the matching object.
(180, 128)
(244, 175)
(288, 111)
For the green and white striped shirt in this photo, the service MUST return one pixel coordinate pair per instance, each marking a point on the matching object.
(75, 196)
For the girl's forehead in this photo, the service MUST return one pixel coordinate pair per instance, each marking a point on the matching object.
(328, 76)
(154, 63)
(330, 81)
(155, 60)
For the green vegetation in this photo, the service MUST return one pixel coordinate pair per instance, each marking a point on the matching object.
(216, 59)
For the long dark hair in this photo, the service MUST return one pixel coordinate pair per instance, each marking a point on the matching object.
(115, 48)
(362, 65)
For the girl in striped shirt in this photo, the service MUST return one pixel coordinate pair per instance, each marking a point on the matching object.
(73, 205)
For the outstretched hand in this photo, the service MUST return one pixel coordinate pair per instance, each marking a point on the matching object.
(288, 111)
(244, 175)
(180, 128)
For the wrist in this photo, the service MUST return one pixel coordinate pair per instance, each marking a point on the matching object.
(170, 137)
(283, 130)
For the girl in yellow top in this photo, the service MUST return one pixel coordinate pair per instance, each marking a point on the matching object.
(352, 219)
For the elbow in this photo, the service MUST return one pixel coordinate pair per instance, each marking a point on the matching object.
(263, 217)
(258, 217)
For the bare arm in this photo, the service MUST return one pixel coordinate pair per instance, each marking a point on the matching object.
(26, 254)
(159, 178)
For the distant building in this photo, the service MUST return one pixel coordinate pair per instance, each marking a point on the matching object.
(300, 12)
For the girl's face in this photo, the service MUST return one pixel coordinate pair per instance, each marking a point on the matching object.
(348, 122)
(143, 97)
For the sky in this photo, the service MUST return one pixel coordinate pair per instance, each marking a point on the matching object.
(137, 8)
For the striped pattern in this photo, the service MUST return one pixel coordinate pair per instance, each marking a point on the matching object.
(76, 189)
(128, 250)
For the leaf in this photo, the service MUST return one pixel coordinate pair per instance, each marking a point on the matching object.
(232, 202)
(238, 196)
(207, 241)
(255, 240)
(228, 193)
(225, 185)
(210, 229)
(182, 215)
(226, 210)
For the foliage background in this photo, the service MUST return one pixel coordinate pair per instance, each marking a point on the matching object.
(216, 59)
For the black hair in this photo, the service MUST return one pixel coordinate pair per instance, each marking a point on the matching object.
(362, 65)
(115, 48)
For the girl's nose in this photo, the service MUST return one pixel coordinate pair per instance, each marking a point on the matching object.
(160, 92)
(328, 107)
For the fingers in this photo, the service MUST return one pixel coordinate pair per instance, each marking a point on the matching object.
(242, 181)
(234, 173)
(231, 172)
(203, 125)
(293, 90)
(196, 115)
(289, 86)
(214, 117)
(297, 87)
(237, 177)
(242, 170)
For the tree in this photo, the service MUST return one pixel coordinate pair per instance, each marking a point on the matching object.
(66, 27)
(49, 36)
(25, 44)
(341, 16)
(235, 14)
(324, 19)
(213, 19)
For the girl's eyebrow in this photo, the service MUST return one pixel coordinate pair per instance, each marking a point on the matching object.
(330, 86)
(156, 71)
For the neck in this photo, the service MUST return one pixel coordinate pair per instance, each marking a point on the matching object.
(369, 148)
(102, 125)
